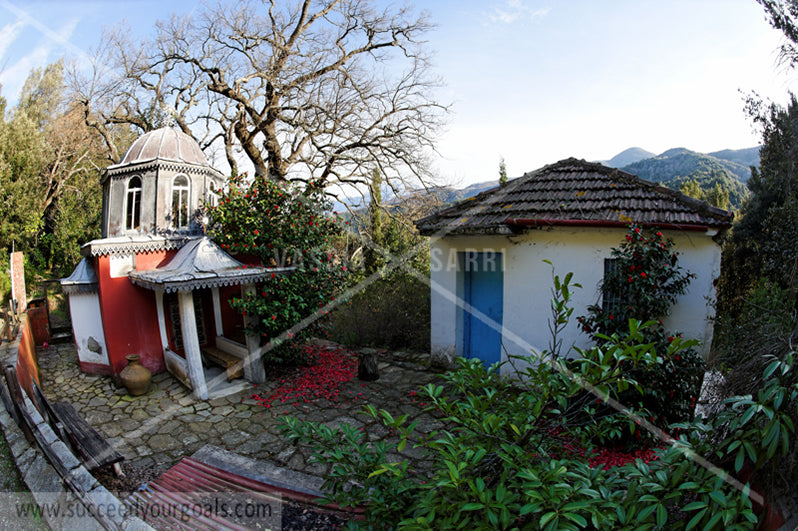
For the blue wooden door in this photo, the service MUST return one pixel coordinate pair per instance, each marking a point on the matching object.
(483, 285)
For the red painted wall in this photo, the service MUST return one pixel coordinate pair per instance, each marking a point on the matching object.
(232, 321)
(27, 361)
(129, 314)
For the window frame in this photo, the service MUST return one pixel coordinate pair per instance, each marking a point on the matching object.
(180, 208)
(133, 204)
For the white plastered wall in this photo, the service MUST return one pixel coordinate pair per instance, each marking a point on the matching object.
(528, 284)
(87, 323)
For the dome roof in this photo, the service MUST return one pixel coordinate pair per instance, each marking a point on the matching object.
(165, 143)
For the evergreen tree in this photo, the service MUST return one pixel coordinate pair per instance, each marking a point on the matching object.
(49, 175)
(764, 242)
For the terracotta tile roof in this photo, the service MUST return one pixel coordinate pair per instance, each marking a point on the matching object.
(574, 192)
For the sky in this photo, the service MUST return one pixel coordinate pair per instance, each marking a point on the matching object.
(529, 81)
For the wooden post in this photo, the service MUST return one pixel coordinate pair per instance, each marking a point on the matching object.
(161, 318)
(18, 293)
(254, 371)
(191, 344)
(217, 311)
(367, 367)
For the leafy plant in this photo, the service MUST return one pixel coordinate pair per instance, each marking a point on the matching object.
(516, 453)
(392, 312)
(643, 284)
(278, 225)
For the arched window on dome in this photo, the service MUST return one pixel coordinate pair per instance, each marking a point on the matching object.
(180, 194)
(133, 206)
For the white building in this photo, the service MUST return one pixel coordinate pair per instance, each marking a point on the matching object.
(491, 289)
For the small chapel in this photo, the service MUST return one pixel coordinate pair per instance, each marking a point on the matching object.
(154, 284)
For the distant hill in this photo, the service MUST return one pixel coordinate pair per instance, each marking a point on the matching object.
(676, 166)
(730, 168)
(451, 195)
(744, 157)
(627, 156)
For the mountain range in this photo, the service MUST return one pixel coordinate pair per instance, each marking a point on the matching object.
(729, 168)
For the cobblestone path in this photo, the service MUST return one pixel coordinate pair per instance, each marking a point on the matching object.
(156, 430)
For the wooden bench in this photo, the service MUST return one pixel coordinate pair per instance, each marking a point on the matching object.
(231, 363)
(91, 447)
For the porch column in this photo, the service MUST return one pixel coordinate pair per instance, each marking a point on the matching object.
(254, 371)
(191, 344)
(161, 318)
(217, 311)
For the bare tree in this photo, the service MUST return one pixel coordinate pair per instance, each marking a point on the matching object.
(328, 90)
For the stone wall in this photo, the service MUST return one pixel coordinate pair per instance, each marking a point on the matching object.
(69, 496)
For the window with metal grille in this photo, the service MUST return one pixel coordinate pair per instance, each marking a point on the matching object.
(177, 328)
(613, 300)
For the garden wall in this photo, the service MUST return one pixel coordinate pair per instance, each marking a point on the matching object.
(69, 496)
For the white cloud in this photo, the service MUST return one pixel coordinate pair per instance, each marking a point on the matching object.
(47, 49)
(513, 10)
(8, 34)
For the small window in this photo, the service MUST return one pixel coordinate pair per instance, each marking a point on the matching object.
(213, 198)
(133, 207)
(613, 300)
(177, 325)
(180, 191)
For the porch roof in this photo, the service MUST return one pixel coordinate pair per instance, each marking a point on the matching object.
(202, 264)
(82, 280)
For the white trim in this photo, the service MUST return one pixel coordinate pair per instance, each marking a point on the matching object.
(217, 311)
(191, 345)
(161, 318)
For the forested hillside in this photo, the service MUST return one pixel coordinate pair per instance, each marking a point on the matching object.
(678, 167)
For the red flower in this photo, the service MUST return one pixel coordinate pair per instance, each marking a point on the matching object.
(256, 232)
(643, 274)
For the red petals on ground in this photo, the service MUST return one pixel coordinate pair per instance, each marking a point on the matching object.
(322, 378)
(607, 458)
(604, 458)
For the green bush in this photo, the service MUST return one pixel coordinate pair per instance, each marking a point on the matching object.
(5, 279)
(745, 351)
(644, 284)
(508, 458)
(391, 312)
(280, 225)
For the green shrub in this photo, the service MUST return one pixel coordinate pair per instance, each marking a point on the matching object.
(391, 312)
(5, 279)
(745, 347)
(644, 284)
(508, 458)
(280, 225)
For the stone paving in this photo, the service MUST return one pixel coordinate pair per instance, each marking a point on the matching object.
(158, 429)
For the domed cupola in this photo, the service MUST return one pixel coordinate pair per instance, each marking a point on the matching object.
(158, 186)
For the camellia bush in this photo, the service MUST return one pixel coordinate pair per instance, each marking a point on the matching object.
(279, 225)
(643, 284)
(516, 453)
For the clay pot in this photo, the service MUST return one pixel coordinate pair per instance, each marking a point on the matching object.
(135, 377)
